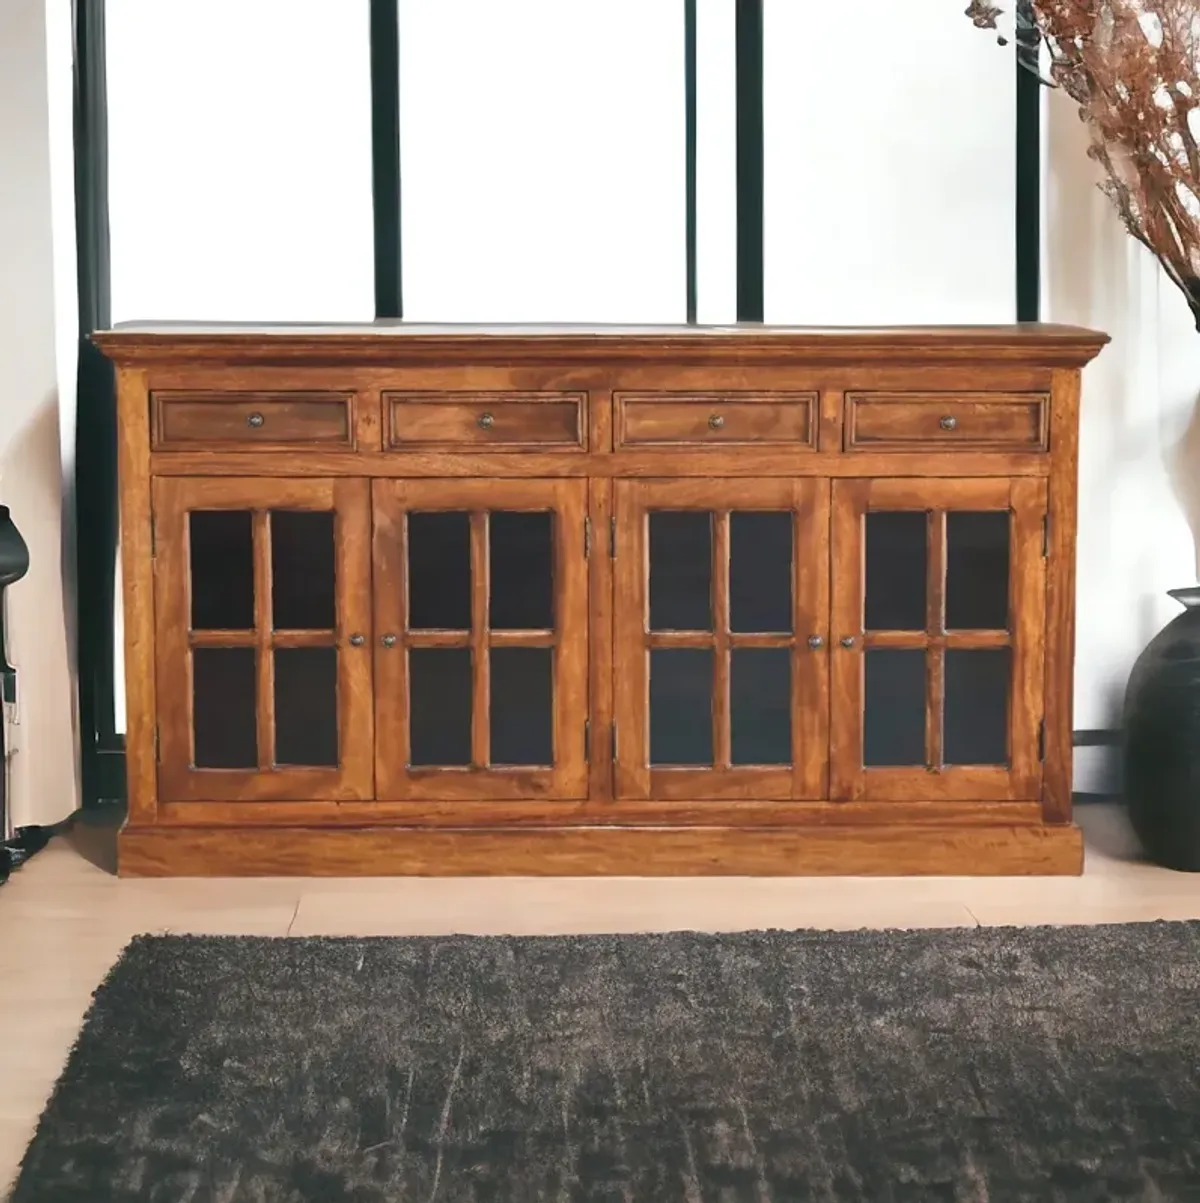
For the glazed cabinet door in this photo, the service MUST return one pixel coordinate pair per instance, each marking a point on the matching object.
(481, 639)
(937, 639)
(720, 628)
(262, 612)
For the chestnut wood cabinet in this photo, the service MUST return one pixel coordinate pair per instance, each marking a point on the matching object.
(445, 600)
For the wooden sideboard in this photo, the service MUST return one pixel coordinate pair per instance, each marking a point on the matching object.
(407, 599)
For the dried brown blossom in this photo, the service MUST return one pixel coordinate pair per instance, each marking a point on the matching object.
(1133, 68)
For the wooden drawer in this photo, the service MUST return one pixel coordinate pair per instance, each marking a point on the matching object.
(946, 422)
(716, 419)
(486, 421)
(191, 421)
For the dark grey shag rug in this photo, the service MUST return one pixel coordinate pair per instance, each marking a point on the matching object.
(1040, 1064)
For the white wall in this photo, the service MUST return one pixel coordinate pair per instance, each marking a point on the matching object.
(1139, 456)
(256, 117)
(44, 765)
(890, 174)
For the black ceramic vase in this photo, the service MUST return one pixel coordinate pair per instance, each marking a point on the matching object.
(1162, 740)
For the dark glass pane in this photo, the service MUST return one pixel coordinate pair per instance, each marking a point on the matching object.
(975, 727)
(521, 563)
(522, 711)
(306, 706)
(439, 571)
(224, 707)
(222, 570)
(681, 706)
(303, 576)
(977, 570)
(895, 571)
(760, 572)
(680, 570)
(439, 700)
(760, 705)
(894, 707)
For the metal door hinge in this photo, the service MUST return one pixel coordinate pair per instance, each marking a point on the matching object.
(153, 539)
(612, 538)
(587, 537)
(614, 743)
(157, 755)
(1045, 535)
(587, 739)
(1042, 740)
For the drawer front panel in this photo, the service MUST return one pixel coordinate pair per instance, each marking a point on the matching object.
(946, 422)
(717, 419)
(187, 421)
(483, 421)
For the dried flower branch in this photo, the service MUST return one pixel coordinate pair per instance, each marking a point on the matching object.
(1133, 67)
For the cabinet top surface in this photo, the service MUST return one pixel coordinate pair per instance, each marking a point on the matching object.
(397, 341)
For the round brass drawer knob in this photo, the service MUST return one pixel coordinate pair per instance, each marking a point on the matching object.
(255, 421)
(816, 642)
(388, 641)
(716, 422)
(847, 641)
(357, 640)
(948, 423)
(486, 421)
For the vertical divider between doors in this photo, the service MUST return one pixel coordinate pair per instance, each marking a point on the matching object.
(722, 751)
(601, 661)
(631, 698)
(812, 568)
(849, 505)
(265, 660)
(480, 688)
(389, 604)
(354, 583)
(571, 653)
(935, 625)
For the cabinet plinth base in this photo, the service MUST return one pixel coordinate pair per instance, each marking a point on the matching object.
(883, 851)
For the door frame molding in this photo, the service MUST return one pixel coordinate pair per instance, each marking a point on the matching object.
(178, 779)
(567, 779)
(635, 778)
(1025, 499)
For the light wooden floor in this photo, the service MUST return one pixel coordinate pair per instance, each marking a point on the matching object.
(64, 920)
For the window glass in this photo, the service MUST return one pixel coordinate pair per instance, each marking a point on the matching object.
(239, 141)
(889, 165)
(542, 160)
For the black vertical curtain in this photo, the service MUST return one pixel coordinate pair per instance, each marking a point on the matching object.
(95, 478)
(749, 120)
(1029, 167)
(385, 155)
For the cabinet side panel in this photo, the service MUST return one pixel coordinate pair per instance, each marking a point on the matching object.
(137, 573)
(1060, 594)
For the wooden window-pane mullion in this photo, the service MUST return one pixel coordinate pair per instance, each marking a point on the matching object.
(481, 752)
(262, 630)
(935, 623)
(722, 738)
